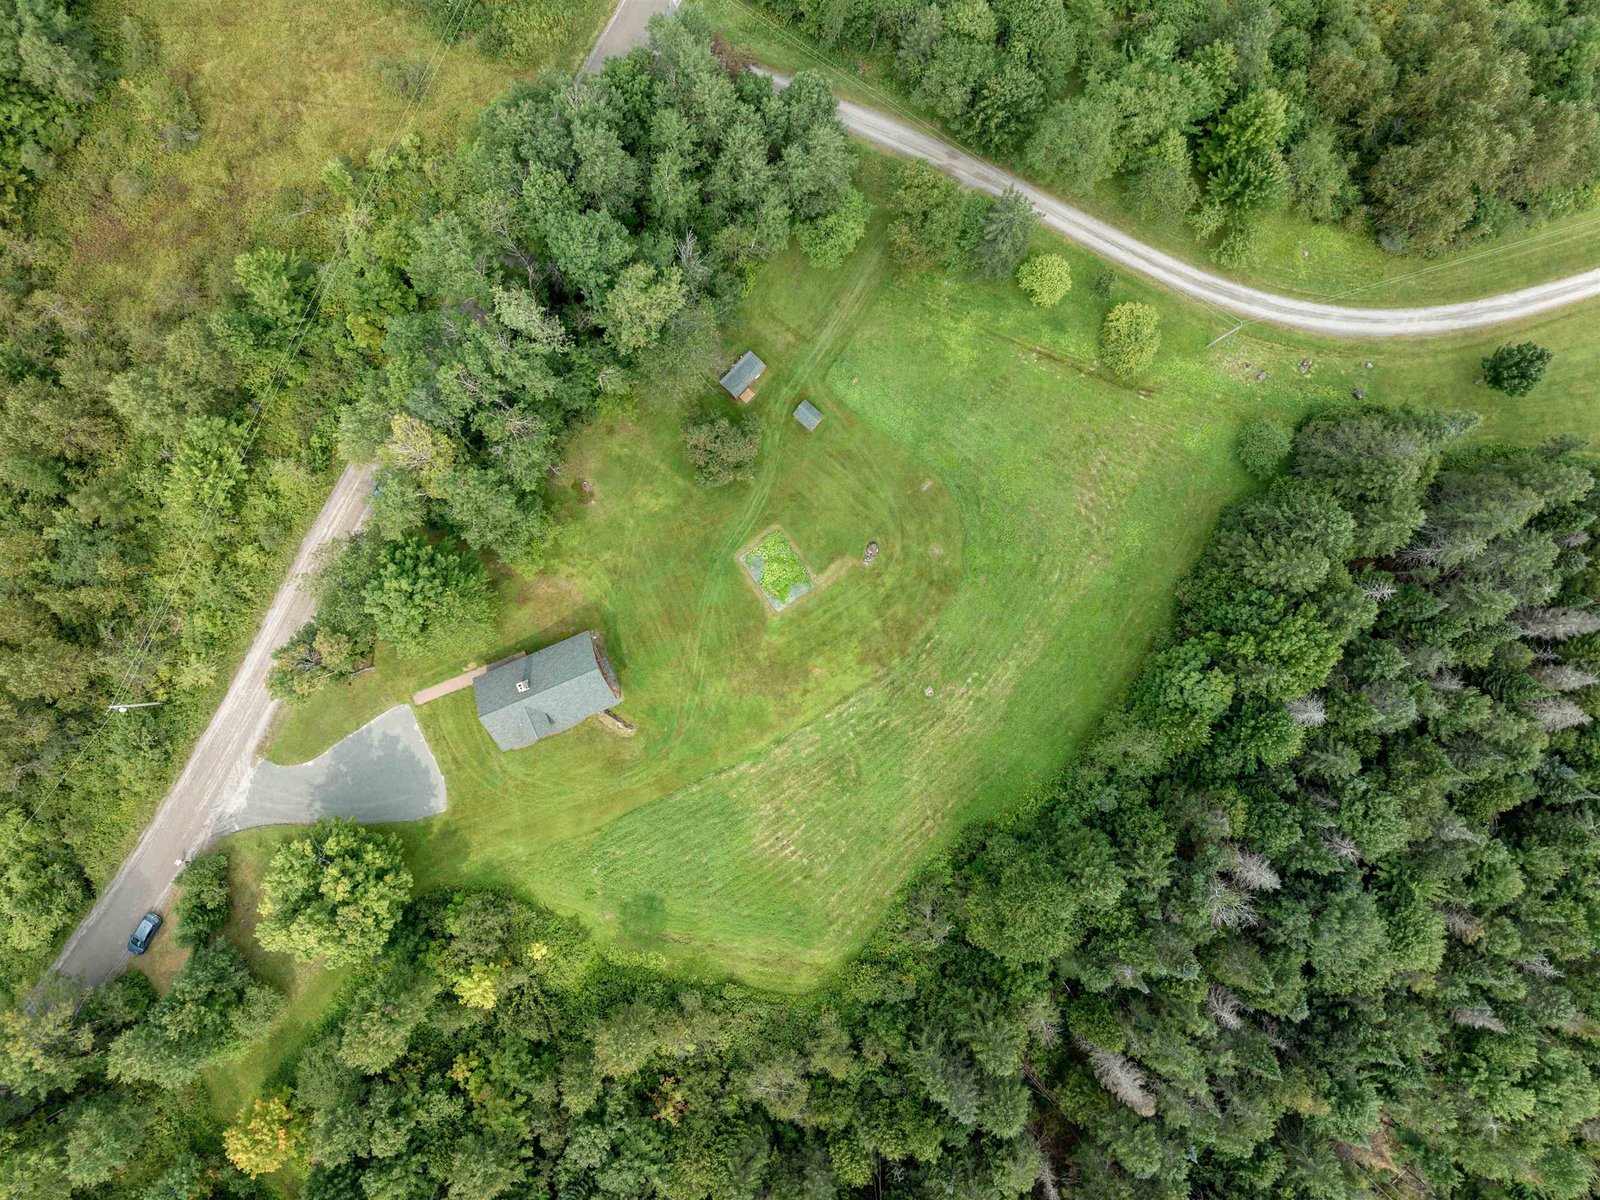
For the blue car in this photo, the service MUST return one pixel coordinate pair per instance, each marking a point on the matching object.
(142, 936)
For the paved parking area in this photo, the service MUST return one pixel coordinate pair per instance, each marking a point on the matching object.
(382, 772)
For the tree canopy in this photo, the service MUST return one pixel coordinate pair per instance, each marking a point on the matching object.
(1310, 916)
(1446, 121)
(334, 895)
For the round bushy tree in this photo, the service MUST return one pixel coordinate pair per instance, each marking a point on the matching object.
(263, 1138)
(424, 597)
(1045, 279)
(1129, 338)
(722, 451)
(827, 241)
(334, 894)
(1516, 369)
(1264, 446)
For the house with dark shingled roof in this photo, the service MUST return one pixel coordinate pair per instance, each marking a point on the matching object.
(546, 693)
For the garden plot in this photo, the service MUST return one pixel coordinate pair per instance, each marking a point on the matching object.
(777, 570)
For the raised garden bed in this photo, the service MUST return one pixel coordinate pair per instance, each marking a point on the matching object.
(777, 570)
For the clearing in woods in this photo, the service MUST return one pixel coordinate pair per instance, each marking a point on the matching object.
(790, 773)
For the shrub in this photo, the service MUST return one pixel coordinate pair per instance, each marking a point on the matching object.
(1045, 279)
(261, 1142)
(203, 907)
(1102, 283)
(1516, 369)
(721, 451)
(1264, 446)
(407, 78)
(1129, 339)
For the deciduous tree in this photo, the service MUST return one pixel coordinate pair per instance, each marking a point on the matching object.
(1045, 279)
(333, 895)
(1129, 338)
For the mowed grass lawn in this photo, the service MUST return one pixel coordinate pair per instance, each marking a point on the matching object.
(791, 770)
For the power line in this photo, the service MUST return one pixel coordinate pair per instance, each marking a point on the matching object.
(407, 115)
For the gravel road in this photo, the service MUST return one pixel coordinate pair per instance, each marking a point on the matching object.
(625, 30)
(219, 765)
(1238, 299)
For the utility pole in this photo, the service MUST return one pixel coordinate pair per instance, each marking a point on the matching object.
(122, 708)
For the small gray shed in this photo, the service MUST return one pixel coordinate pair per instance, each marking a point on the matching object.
(807, 415)
(545, 693)
(741, 380)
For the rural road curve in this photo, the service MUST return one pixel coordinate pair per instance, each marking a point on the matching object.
(219, 764)
(1243, 301)
(625, 30)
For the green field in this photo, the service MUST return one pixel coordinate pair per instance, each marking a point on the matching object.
(1297, 256)
(279, 89)
(791, 771)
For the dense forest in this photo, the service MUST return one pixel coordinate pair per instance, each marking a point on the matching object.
(478, 305)
(1310, 918)
(1431, 122)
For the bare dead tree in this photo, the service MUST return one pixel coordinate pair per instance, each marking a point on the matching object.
(1541, 966)
(1564, 677)
(1309, 711)
(1477, 1016)
(1341, 845)
(1555, 624)
(1119, 1076)
(1555, 713)
(1461, 924)
(1226, 1008)
(1251, 871)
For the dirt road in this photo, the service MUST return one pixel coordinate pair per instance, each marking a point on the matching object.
(220, 762)
(1240, 300)
(625, 30)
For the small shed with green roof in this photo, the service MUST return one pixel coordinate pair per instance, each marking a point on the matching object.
(543, 694)
(740, 382)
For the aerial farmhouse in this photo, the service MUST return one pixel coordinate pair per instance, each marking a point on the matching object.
(539, 695)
